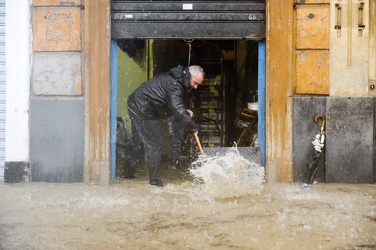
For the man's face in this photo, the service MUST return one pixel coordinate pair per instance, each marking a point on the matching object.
(195, 81)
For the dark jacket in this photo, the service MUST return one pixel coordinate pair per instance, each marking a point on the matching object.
(163, 96)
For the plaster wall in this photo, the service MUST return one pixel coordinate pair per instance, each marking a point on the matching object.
(18, 72)
(57, 103)
(57, 74)
(372, 48)
(349, 51)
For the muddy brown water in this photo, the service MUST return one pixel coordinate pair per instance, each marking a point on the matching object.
(131, 214)
(136, 215)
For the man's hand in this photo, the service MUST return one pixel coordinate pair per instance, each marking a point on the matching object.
(190, 112)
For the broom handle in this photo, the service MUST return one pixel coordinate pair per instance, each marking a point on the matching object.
(198, 143)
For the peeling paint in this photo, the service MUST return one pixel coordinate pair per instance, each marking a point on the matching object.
(279, 73)
(312, 26)
(97, 61)
(57, 30)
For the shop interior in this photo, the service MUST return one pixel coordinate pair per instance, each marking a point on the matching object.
(227, 108)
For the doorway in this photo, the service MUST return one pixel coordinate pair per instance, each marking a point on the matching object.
(231, 82)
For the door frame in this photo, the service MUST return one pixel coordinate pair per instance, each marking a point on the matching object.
(278, 96)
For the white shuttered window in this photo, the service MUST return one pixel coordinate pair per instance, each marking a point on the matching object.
(2, 88)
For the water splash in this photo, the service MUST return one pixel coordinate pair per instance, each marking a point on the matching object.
(230, 175)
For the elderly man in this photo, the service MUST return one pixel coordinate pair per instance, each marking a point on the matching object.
(160, 98)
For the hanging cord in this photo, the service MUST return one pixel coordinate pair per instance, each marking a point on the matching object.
(189, 42)
(189, 54)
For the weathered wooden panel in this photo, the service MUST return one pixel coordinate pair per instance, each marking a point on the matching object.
(57, 29)
(312, 27)
(312, 73)
(279, 72)
(57, 74)
(70, 3)
(96, 63)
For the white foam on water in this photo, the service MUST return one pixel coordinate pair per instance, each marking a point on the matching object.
(230, 175)
(136, 215)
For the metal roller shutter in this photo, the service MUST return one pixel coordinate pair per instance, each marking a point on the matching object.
(2, 88)
(188, 19)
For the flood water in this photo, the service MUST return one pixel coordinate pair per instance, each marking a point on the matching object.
(131, 214)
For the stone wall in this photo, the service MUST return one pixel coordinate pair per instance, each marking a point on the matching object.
(57, 93)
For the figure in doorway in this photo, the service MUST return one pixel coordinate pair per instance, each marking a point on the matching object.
(161, 97)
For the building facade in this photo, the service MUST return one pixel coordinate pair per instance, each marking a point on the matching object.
(320, 59)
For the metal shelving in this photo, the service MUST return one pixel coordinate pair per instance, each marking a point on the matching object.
(211, 110)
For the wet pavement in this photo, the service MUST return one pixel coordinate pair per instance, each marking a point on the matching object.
(131, 214)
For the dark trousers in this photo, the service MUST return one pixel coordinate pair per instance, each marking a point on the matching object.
(146, 135)
(176, 136)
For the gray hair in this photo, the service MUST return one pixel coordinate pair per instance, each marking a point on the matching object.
(195, 70)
